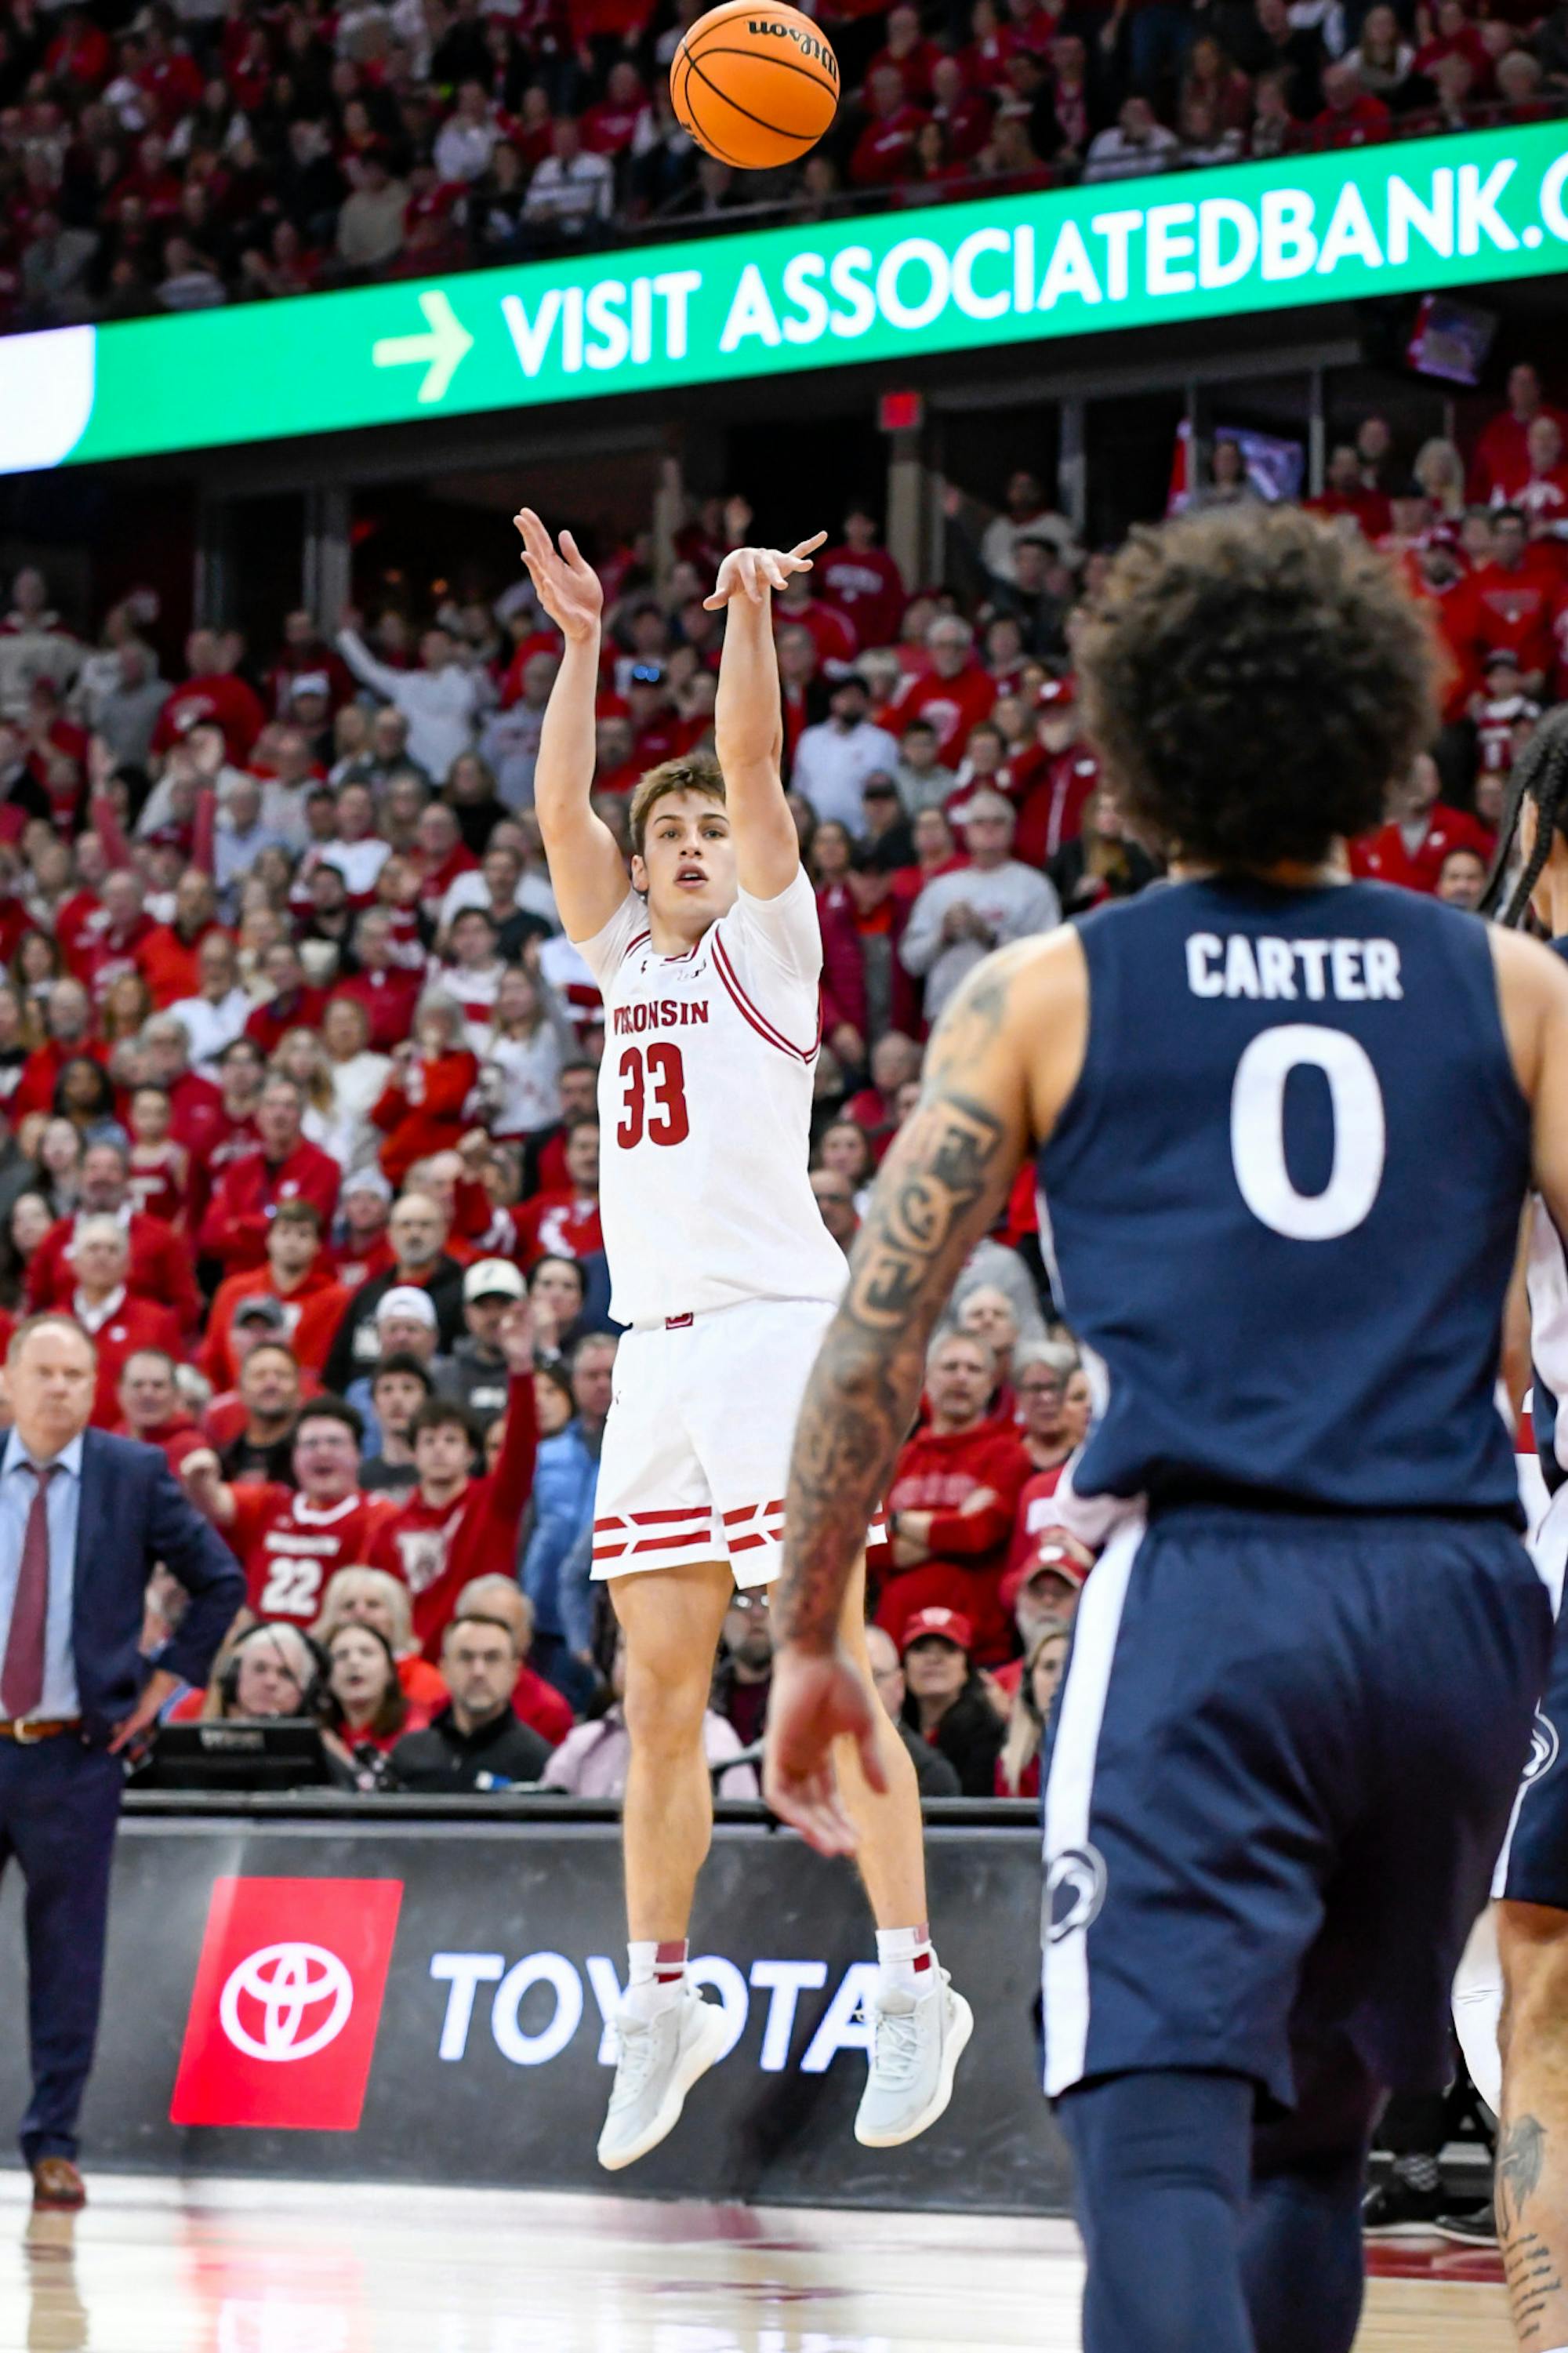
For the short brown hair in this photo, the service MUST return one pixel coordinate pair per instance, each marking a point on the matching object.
(695, 772)
(298, 1213)
(1255, 680)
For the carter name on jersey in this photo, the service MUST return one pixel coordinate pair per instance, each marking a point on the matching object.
(1241, 966)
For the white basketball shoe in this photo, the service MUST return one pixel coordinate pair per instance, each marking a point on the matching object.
(916, 2046)
(657, 2059)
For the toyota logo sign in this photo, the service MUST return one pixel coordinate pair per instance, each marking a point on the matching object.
(286, 1984)
(290, 1969)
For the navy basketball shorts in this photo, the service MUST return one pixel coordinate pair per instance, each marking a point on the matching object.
(1535, 1868)
(1280, 1770)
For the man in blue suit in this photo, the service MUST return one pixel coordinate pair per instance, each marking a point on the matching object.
(83, 1519)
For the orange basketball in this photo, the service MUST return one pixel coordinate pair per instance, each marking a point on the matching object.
(755, 83)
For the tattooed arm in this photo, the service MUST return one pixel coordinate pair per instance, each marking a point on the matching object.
(998, 1069)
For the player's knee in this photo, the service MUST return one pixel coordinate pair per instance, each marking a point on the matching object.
(664, 1706)
(1532, 1942)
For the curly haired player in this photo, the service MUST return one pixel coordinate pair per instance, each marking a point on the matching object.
(1305, 1665)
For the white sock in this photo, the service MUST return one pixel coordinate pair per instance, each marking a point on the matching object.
(656, 1976)
(905, 1961)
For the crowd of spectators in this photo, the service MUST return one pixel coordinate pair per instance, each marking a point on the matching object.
(299, 1076)
(170, 157)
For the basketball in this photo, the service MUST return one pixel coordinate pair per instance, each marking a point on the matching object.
(755, 83)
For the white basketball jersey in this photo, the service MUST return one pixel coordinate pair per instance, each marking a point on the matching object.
(705, 1096)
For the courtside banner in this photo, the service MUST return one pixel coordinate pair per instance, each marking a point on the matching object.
(1409, 217)
(428, 2001)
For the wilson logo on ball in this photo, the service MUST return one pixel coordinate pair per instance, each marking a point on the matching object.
(754, 86)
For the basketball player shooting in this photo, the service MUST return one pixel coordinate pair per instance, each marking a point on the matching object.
(709, 960)
(1305, 1665)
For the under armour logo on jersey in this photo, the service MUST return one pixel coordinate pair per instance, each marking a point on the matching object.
(1543, 1745)
(1075, 1889)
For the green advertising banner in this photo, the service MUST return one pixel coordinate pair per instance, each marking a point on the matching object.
(1133, 253)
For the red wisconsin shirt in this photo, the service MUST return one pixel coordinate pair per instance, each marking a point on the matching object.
(235, 1225)
(436, 1551)
(952, 705)
(227, 701)
(289, 1547)
(160, 1268)
(937, 1474)
(865, 586)
(557, 1225)
(388, 999)
(1382, 856)
(135, 1324)
(1511, 609)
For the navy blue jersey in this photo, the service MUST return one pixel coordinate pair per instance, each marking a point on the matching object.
(1283, 1199)
(1547, 1282)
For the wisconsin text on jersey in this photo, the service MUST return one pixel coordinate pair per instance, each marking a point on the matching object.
(1239, 966)
(667, 1013)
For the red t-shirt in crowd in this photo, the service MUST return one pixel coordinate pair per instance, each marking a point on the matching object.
(1386, 857)
(159, 1268)
(218, 699)
(952, 705)
(865, 586)
(312, 1314)
(439, 1549)
(235, 1225)
(135, 1324)
(289, 1547)
(937, 1474)
(557, 1225)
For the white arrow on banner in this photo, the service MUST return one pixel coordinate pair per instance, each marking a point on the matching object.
(445, 348)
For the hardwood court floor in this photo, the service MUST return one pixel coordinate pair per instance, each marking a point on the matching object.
(162, 2266)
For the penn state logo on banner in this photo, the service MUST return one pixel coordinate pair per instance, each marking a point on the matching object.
(1075, 1889)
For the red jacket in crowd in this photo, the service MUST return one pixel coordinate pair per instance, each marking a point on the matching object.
(437, 1552)
(160, 1268)
(430, 1118)
(939, 1474)
(135, 1324)
(312, 1314)
(235, 1227)
(1384, 857)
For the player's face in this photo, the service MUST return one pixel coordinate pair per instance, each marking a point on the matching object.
(688, 865)
(326, 1460)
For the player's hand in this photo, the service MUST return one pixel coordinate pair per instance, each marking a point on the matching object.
(567, 585)
(749, 571)
(515, 1336)
(814, 1701)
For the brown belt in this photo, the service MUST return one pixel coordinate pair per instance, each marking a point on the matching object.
(25, 1729)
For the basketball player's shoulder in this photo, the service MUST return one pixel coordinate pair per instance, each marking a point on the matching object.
(1016, 1030)
(1532, 996)
(608, 949)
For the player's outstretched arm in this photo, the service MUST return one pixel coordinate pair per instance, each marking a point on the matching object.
(748, 721)
(990, 1088)
(586, 870)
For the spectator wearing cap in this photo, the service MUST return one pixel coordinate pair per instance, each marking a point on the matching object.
(959, 917)
(360, 1247)
(936, 1777)
(404, 1325)
(284, 1166)
(1041, 1587)
(952, 1500)
(417, 1232)
(945, 1703)
(297, 1279)
(1054, 777)
(476, 1372)
(833, 759)
(253, 1427)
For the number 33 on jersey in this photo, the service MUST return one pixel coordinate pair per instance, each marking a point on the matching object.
(704, 1106)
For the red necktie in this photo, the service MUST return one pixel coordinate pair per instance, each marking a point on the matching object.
(22, 1676)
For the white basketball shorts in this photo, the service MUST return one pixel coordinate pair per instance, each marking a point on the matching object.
(697, 1446)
